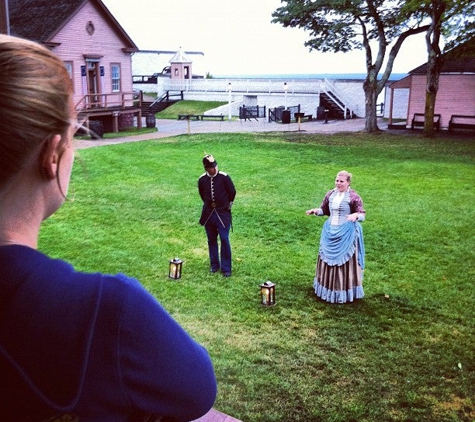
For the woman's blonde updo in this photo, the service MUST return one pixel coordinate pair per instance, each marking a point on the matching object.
(35, 102)
(346, 175)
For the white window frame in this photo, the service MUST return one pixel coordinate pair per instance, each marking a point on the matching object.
(115, 77)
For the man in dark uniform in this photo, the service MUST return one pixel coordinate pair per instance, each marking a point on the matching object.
(217, 192)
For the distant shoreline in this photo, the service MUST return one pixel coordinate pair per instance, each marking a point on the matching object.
(292, 76)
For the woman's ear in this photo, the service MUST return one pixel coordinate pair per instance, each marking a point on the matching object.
(50, 156)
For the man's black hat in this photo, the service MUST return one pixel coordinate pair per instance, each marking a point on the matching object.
(209, 161)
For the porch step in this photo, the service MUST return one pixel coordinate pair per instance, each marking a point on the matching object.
(215, 416)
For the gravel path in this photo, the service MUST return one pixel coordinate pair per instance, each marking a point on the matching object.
(167, 128)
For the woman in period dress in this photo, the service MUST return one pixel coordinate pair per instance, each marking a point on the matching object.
(340, 263)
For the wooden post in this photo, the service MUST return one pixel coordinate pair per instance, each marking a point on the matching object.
(115, 122)
(390, 121)
(4, 17)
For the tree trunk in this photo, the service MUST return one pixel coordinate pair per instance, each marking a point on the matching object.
(432, 86)
(431, 95)
(370, 87)
(434, 62)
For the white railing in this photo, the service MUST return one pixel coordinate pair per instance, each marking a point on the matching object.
(351, 99)
(250, 86)
(338, 97)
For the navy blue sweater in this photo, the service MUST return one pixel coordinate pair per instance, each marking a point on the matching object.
(92, 345)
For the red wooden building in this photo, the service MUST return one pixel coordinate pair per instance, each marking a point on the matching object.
(95, 49)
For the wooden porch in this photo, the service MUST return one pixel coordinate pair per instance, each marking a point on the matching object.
(109, 106)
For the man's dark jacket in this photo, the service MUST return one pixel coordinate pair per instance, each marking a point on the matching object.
(217, 194)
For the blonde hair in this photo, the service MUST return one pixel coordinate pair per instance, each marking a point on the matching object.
(35, 102)
(344, 173)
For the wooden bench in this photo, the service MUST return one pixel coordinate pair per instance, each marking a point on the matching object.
(419, 119)
(458, 121)
(189, 117)
(212, 116)
(302, 116)
(200, 116)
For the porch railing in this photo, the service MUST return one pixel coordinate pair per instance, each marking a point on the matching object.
(119, 100)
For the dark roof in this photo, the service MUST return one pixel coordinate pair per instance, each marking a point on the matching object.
(459, 60)
(40, 20)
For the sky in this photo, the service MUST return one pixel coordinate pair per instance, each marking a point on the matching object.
(238, 38)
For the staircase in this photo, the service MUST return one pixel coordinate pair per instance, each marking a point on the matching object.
(337, 108)
(336, 102)
(161, 103)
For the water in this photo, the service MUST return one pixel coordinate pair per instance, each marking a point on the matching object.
(294, 76)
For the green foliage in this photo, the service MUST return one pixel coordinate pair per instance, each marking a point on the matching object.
(188, 107)
(403, 353)
(457, 22)
(345, 25)
(342, 26)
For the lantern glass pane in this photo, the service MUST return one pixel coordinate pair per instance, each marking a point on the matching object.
(268, 293)
(174, 270)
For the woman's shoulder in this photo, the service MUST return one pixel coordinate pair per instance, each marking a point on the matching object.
(26, 265)
(125, 288)
(354, 194)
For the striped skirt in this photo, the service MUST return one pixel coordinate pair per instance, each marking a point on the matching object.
(339, 283)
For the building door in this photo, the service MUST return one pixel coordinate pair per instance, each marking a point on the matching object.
(93, 83)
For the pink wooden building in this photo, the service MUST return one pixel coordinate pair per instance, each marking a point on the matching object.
(95, 49)
(456, 94)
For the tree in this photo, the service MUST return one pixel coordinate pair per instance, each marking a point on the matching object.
(453, 19)
(434, 63)
(345, 25)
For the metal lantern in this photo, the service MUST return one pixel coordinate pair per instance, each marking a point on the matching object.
(174, 269)
(268, 293)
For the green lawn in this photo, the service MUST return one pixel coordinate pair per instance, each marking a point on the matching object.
(188, 107)
(403, 353)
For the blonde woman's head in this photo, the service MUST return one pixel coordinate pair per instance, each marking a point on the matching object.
(35, 102)
(343, 180)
